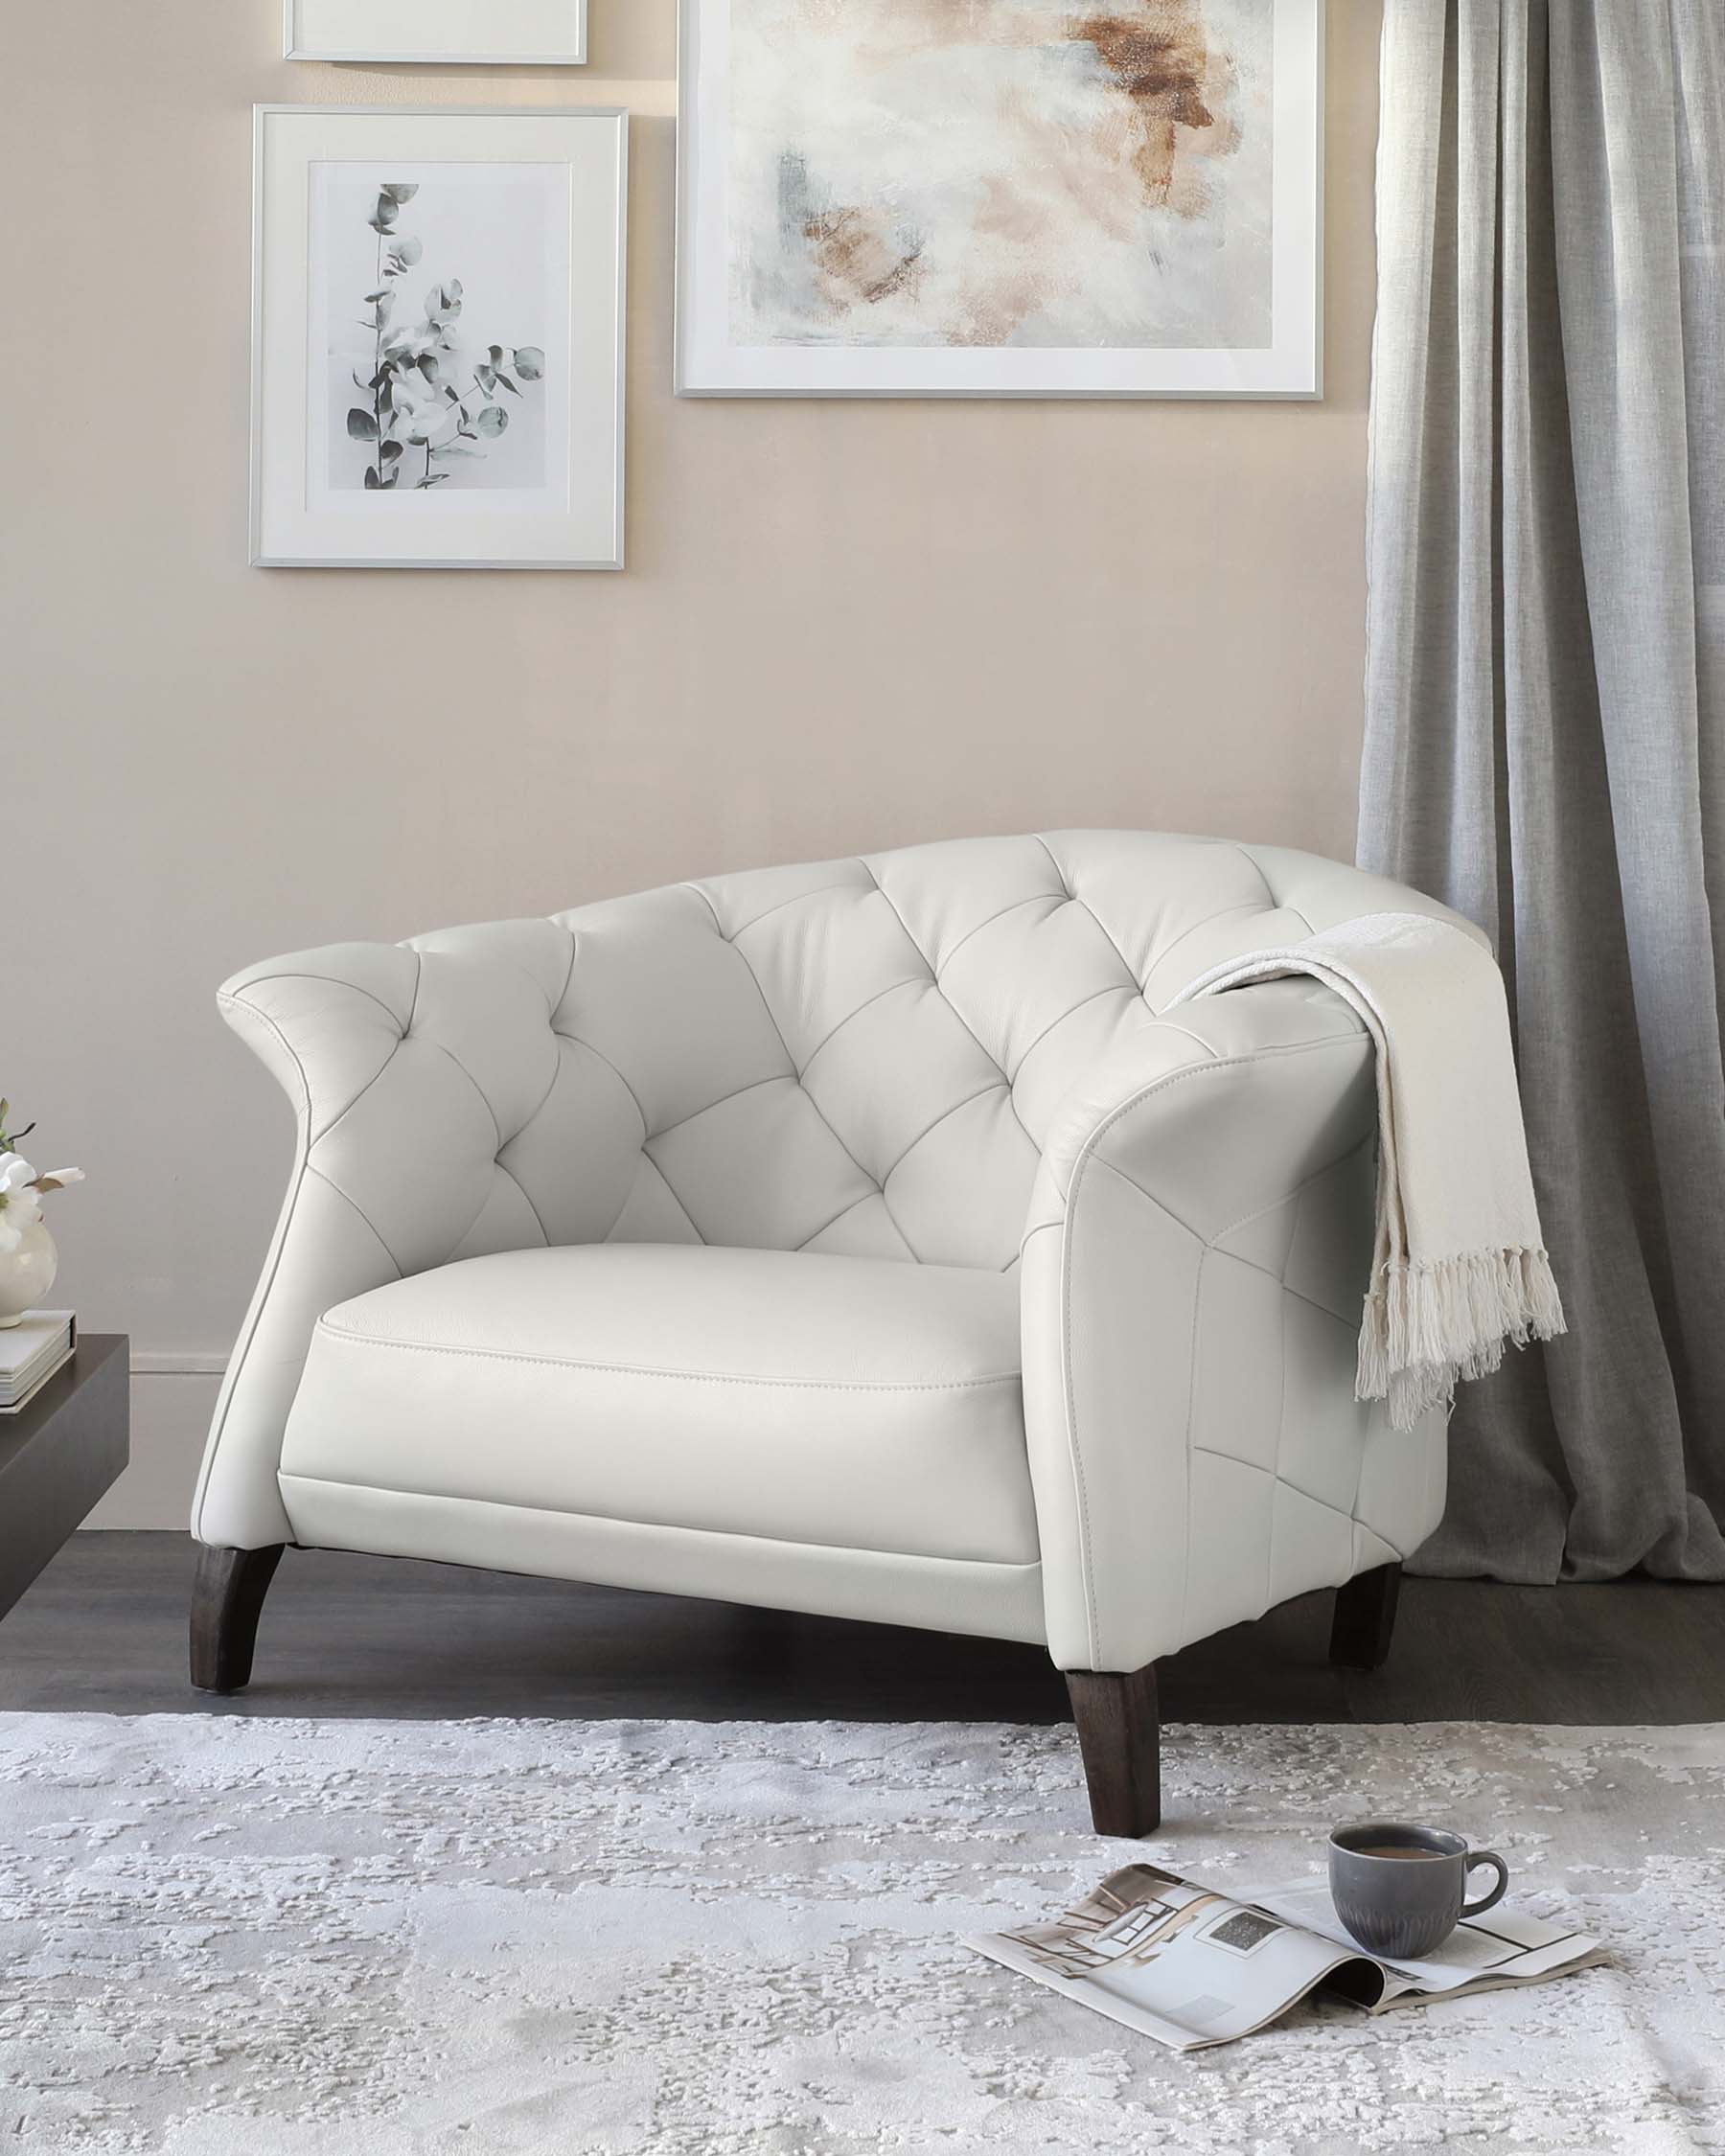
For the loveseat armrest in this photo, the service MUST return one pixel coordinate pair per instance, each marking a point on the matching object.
(1197, 1249)
(411, 1068)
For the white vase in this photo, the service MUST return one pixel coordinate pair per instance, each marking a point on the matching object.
(27, 1273)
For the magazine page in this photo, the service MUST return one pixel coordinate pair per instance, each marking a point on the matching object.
(1176, 1961)
(1483, 1953)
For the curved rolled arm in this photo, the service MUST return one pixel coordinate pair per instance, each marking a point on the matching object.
(1197, 1249)
(412, 1068)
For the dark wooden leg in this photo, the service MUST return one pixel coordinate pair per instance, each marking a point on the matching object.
(1365, 1618)
(1119, 1736)
(227, 1599)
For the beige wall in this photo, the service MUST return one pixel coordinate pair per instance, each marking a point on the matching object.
(843, 626)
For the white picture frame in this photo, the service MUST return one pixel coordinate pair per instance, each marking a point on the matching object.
(750, 94)
(410, 267)
(437, 33)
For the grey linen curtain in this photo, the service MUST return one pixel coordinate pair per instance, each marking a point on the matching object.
(1545, 742)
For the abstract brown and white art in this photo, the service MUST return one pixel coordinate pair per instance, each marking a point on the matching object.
(438, 338)
(1000, 198)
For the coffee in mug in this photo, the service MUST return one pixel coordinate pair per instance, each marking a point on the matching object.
(1399, 1889)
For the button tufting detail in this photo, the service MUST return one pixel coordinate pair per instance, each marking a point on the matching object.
(754, 1056)
(811, 1031)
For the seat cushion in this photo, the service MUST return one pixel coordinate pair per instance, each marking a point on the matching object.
(859, 1403)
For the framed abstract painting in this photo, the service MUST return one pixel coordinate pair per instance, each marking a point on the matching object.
(999, 198)
(437, 337)
(437, 33)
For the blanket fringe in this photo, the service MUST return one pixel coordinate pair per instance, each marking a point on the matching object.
(1427, 1326)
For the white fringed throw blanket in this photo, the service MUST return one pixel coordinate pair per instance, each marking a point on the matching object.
(1460, 1266)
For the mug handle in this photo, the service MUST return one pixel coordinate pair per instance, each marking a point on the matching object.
(1475, 1858)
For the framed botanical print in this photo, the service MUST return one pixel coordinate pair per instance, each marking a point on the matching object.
(1017, 198)
(479, 32)
(437, 337)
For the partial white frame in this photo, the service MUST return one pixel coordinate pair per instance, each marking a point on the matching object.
(1290, 368)
(261, 114)
(447, 52)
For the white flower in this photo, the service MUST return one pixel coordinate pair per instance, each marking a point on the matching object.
(410, 344)
(15, 1174)
(20, 1208)
(423, 415)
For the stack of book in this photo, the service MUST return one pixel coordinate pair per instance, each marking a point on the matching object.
(31, 1351)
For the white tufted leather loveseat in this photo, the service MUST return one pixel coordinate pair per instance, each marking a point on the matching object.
(857, 1237)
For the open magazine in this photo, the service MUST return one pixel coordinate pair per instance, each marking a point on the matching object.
(1190, 1967)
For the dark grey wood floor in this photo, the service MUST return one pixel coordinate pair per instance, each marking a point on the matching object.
(104, 1628)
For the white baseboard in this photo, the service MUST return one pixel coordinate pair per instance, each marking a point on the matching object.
(177, 1362)
(172, 1398)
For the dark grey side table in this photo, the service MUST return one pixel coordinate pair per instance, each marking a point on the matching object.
(58, 1454)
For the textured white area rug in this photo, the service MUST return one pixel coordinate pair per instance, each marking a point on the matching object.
(232, 1938)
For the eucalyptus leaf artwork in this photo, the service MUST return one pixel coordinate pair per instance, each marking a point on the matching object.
(438, 320)
(421, 411)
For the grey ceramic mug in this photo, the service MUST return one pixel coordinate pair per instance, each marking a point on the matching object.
(1398, 1890)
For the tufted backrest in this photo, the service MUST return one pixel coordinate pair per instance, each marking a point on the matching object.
(857, 1056)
